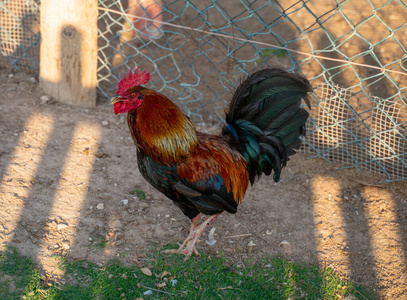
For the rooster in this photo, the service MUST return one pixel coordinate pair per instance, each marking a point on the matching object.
(209, 174)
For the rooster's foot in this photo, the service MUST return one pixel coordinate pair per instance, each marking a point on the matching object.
(186, 250)
(188, 246)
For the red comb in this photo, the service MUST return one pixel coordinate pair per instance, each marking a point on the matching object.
(133, 79)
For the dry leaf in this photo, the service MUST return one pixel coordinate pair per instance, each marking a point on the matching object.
(102, 155)
(165, 273)
(124, 276)
(146, 271)
(160, 285)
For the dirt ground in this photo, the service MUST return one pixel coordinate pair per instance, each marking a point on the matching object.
(66, 173)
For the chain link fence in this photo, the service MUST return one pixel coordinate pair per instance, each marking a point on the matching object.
(20, 34)
(352, 52)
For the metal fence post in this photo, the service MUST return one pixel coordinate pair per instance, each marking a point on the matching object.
(68, 54)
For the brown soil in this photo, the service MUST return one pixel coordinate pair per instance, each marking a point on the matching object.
(59, 163)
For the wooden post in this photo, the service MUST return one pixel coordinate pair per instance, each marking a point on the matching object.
(68, 55)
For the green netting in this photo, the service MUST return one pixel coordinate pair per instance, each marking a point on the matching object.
(352, 52)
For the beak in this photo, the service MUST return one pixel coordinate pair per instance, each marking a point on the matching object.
(116, 99)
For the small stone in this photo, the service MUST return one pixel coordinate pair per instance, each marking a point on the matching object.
(62, 226)
(66, 246)
(100, 206)
(32, 80)
(11, 75)
(284, 243)
(44, 99)
(148, 292)
(251, 244)
(124, 202)
(105, 123)
(268, 232)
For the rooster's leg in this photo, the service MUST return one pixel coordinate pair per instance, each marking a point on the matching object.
(194, 222)
(188, 246)
(194, 225)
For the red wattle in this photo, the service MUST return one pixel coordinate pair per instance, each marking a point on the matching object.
(124, 106)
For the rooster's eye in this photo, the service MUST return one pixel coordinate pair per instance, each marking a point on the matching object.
(133, 95)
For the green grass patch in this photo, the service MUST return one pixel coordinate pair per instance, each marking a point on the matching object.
(172, 278)
(139, 193)
(18, 277)
(99, 242)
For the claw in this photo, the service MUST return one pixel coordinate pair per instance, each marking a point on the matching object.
(187, 251)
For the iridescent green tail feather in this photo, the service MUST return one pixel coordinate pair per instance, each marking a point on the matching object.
(265, 120)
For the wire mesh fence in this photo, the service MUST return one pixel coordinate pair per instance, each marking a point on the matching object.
(20, 34)
(351, 51)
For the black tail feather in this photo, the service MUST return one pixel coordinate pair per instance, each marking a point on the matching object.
(265, 120)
